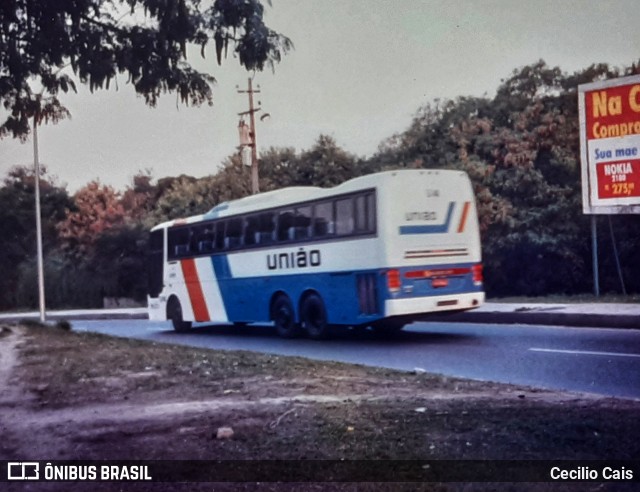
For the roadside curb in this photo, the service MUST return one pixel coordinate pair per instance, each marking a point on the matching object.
(80, 314)
(583, 316)
(582, 320)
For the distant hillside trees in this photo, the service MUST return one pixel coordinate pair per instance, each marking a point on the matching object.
(520, 148)
(18, 225)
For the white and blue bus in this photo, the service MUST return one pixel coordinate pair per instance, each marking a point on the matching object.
(379, 250)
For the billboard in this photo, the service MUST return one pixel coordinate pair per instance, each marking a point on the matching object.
(610, 145)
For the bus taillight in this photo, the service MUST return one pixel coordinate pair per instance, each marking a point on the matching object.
(478, 278)
(393, 280)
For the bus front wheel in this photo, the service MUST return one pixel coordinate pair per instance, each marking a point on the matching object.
(314, 317)
(284, 317)
(174, 313)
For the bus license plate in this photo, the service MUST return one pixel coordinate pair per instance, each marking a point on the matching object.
(439, 282)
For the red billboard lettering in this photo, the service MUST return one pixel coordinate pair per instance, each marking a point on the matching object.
(613, 112)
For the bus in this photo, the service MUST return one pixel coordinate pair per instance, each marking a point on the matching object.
(377, 251)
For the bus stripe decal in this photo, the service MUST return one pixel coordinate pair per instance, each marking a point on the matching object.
(222, 274)
(200, 311)
(221, 267)
(463, 219)
(430, 229)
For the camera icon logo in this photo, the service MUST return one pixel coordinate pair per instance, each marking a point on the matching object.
(23, 470)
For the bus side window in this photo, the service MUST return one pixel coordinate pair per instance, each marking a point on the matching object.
(233, 233)
(178, 242)
(285, 222)
(301, 223)
(365, 213)
(360, 213)
(344, 216)
(202, 240)
(371, 212)
(251, 230)
(323, 224)
(266, 228)
(220, 243)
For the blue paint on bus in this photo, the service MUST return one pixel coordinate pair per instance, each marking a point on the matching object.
(246, 299)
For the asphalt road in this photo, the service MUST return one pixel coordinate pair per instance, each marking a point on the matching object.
(595, 360)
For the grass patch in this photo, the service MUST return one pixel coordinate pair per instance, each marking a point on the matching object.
(98, 397)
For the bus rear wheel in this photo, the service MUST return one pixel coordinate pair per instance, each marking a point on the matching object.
(314, 317)
(284, 317)
(174, 313)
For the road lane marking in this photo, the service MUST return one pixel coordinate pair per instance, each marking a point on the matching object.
(583, 352)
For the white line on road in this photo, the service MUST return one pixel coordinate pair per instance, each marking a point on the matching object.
(583, 352)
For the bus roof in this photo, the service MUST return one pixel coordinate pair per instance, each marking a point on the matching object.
(295, 194)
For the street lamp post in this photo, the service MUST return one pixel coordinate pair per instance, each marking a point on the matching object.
(36, 165)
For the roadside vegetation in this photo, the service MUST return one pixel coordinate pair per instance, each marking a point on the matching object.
(572, 299)
(520, 148)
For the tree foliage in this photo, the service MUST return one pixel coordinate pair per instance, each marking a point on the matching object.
(120, 263)
(18, 223)
(521, 149)
(146, 40)
(325, 164)
(97, 209)
(185, 196)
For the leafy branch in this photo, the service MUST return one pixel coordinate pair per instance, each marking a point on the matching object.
(147, 42)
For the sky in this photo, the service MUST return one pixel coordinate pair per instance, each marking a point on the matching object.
(359, 72)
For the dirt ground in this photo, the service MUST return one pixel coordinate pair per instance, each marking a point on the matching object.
(82, 396)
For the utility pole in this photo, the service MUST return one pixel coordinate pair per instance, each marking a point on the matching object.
(252, 133)
(594, 256)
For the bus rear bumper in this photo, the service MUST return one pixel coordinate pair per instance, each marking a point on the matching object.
(421, 305)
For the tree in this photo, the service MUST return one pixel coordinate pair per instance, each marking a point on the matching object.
(233, 181)
(521, 150)
(120, 263)
(18, 223)
(144, 39)
(326, 164)
(97, 208)
(278, 168)
(140, 199)
(186, 196)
